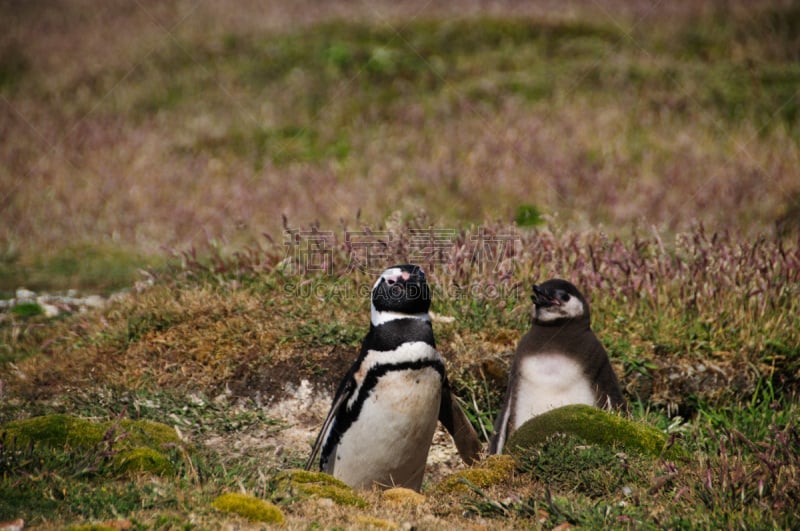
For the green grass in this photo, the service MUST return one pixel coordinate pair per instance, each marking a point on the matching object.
(90, 267)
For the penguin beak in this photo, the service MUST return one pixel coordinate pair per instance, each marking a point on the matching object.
(542, 299)
(410, 286)
(401, 279)
(410, 283)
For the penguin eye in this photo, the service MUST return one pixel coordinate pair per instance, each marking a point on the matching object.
(564, 297)
(390, 281)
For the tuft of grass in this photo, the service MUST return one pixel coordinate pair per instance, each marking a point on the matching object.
(27, 309)
(528, 216)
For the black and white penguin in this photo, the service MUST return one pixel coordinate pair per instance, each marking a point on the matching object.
(384, 413)
(558, 362)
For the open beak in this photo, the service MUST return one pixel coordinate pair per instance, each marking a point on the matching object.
(542, 299)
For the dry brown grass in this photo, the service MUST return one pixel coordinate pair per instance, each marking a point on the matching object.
(96, 151)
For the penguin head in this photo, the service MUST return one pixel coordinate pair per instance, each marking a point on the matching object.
(401, 289)
(558, 300)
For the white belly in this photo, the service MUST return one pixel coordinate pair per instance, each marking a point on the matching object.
(548, 381)
(389, 442)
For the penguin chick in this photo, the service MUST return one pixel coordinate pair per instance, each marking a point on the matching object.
(384, 413)
(558, 362)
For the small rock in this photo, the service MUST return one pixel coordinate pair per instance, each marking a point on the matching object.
(94, 301)
(50, 310)
(72, 302)
(23, 294)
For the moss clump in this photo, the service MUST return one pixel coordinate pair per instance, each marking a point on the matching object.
(402, 496)
(148, 432)
(54, 431)
(139, 449)
(594, 426)
(143, 459)
(250, 507)
(495, 469)
(318, 484)
(60, 430)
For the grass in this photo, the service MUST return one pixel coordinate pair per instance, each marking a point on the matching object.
(649, 157)
(103, 268)
(213, 135)
(710, 340)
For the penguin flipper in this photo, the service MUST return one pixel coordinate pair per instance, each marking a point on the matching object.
(456, 422)
(341, 399)
(498, 440)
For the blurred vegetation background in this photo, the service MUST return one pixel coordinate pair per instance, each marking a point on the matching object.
(131, 128)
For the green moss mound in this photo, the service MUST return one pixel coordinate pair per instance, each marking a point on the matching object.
(147, 432)
(138, 445)
(250, 507)
(304, 483)
(495, 469)
(54, 431)
(594, 426)
(142, 459)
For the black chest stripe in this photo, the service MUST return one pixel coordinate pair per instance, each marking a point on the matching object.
(346, 416)
(392, 334)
